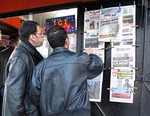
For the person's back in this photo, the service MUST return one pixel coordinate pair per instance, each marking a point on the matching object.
(61, 81)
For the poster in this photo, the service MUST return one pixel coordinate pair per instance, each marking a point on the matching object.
(68, 23)
(44, 49)
(72, 41)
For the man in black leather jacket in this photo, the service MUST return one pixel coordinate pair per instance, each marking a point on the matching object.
(19, 69)
(4, 56)
(59, 83)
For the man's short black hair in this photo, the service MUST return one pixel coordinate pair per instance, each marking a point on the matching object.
(27, 28)
(57, 36)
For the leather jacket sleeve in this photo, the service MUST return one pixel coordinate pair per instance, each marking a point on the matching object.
(15, 86)
(35, 86)
(95, 66)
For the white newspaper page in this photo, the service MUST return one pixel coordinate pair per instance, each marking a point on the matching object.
(123, 58)
(109, 27)
(91, 27)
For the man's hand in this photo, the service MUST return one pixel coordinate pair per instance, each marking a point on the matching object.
(89, 51)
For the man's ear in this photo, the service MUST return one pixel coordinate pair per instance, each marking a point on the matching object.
(32, 37)
(67, 43)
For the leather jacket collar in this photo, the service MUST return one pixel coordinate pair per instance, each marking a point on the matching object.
(27, 47)
(59, 49)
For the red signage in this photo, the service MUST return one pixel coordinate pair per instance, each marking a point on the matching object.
(67, 22)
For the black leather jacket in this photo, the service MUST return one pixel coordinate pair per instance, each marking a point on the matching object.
(4, 56)
(59, 83)
(2, 48)
(18, 74)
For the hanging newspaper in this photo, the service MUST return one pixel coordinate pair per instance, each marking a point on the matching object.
(122, 74)
(109, 24)
(91, 27)
(123, 58)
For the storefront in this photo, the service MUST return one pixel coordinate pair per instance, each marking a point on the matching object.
(139, 103)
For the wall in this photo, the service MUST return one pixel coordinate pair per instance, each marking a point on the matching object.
(141, 103)
(16, 5)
